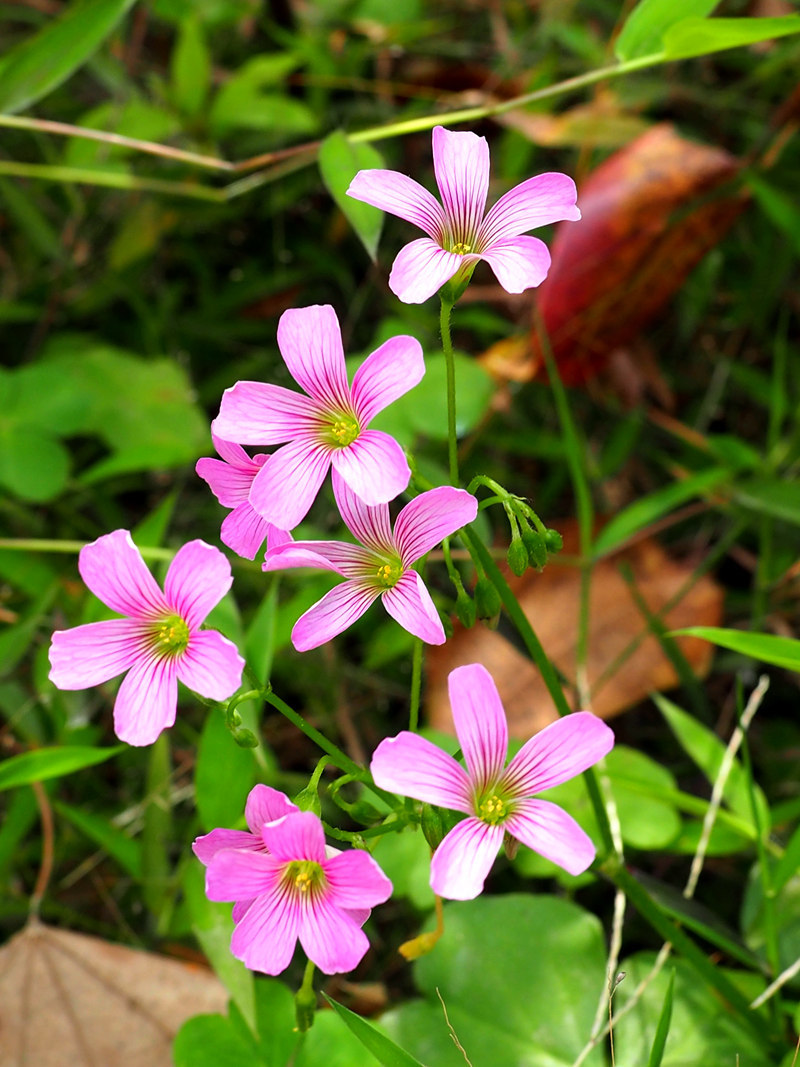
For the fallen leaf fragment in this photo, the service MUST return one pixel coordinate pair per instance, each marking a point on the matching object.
(70, 1000)
(551, 601)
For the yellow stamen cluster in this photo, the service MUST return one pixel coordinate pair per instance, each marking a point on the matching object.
(343, 430)
(171, 634)
(493, 809)
(304, 876)
(461, 249)
(388, 574)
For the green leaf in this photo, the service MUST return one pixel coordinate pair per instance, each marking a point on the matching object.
(224, 775)
(211, 1041)
(779, 208)
(339, 162)
(116, 843)
(190, 68)
(241, 103)
(653, 506)
(662, 1030)
(44, 763)
(42, 62)
(778, 651)
(496, 952)
(157, 829)
(644, 28)
(385, 1051)
(699, 37)
(33, 465)
(778, 498)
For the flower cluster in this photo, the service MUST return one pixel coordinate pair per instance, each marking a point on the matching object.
(285, 883)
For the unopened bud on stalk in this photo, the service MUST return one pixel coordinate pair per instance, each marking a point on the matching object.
(554, 541)
(487, 602)
(517, 557)
(466, 612)
(432, 826)
(536, 548)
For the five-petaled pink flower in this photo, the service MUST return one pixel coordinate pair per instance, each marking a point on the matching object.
(497, 800)
(160, 641)
(326, 427)
(381, 566)
(287, 886)
(230, 479)
(459, 234)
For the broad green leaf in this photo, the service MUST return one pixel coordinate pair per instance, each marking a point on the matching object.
(642, 512)
(789, 863)
(662, 1030)
(701, 1034)
(382, 1048)
(707, 751)
(43, 763)
(242, 102)
(339, 162)
(406, 860)
(779, 498)
(648, 820)
(769, 648)
(42, 62)
(224, 775)
(644, 28)
(33, 465)
(779, 208)
(211, 1041)
(699, 37)
(116, 843)
(190, 68)
(497, 952)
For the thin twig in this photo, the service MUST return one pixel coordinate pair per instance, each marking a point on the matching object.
(453, 1034)
(773, 988)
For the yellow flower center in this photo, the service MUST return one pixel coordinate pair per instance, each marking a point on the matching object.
(170, 635)
(461, 249)
(304, 876)
(342, 430)
(389, 574)
(493, 809)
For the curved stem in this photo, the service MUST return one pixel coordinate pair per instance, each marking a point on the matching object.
(416, 685)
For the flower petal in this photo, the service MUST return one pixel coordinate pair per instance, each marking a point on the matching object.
(480, 723)
(461, 165)
(241, 874)
(519, 263)
(266, 934)
(538, 201)
(399, 195)
(296, 836)
(310, 341)
(420, 269)
(548, 830)
(356, 881)
(91, 654)
(462, 862)
(374, 466)
(338, 556)
(210, 665)
(258, 413)
(370, 525)
(414, 767)
(558, 752)
(430, 517)
(147, 700)
(244, 530)
(286, 487)
(410, 604)
(330, 937)
(113, 568)
(207, 846)
(388, 373)
(198, 578)
(337, 610)
(265, 804)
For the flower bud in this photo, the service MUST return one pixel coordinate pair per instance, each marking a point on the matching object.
(517, 557)
(465, 608)
(487, 602)
(308, 800)
(536, 548)
(432, 827)
(553, 540)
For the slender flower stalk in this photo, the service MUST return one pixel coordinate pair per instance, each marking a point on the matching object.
(230, 480)
(326, 425)
(459, 230)
(288, 886)
(380, 566)
(497, 800)
(158, 643)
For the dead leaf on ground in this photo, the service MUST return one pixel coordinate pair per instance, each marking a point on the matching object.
(70, 1000)
(551, 602)
(650, 212)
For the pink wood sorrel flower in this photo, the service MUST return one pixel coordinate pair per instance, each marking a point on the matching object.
(230, 479)
(497, 800)
(381, 566)
(459, 232)
(160, 641)
(287, 887)
(328, 426)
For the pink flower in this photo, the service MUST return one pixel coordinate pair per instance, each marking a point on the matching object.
(381, 566)
(287, 887)
(497, 800)
(160, 641)
(459, 233)
(328, 426)
(230, 479)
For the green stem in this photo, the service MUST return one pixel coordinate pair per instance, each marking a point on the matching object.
(545, 667)
(111, 179)
(305, 1000)
(339, 758)
(32, 544)
(449, 359)
(416, 686)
